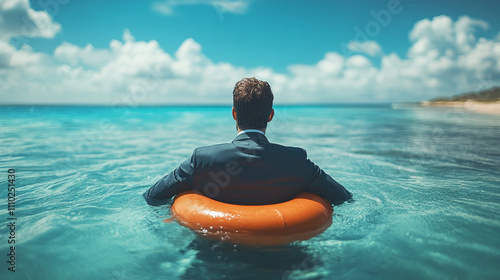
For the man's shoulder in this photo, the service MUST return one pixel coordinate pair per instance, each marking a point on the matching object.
(289, 149)
(211, 148)
(225, 147)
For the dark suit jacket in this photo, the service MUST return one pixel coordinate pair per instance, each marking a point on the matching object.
(248, 171)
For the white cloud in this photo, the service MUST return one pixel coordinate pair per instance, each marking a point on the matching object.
(127, 36)
(221, 6)
(444, 36)
(6, 52)
(235, 7)
(25, 57)
(18, 19)
(370, 48)
(87, 56)
(445, 57)
(128, 72)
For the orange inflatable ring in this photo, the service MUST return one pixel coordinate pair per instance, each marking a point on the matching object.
(301, 218)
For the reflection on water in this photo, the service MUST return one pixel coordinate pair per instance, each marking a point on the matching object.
(240, 262)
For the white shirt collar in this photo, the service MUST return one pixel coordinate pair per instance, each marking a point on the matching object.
(251, 130)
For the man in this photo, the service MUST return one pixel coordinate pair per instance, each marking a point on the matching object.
(249, 170)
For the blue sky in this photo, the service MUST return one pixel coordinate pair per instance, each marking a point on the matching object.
(193, 51)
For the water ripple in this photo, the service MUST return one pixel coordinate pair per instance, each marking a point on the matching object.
(425, 187)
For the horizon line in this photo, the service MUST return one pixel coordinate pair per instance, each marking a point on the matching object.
(193, 104)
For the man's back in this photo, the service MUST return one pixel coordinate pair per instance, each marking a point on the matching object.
(248, 171)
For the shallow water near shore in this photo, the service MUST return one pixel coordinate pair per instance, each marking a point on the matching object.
(426, 185)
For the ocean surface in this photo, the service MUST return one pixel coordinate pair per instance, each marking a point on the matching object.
(426, 185)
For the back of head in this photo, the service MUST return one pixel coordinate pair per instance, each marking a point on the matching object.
(253, 102)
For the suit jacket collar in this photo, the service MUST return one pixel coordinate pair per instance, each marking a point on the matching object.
(255, 136)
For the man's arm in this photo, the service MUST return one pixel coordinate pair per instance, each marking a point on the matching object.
(318, 182)
(177, 181)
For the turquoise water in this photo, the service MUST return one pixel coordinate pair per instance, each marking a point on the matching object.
(426, 185)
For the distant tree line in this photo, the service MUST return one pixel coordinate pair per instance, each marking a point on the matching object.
(487, 95)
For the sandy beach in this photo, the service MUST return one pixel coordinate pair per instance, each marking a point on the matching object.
(474, 106)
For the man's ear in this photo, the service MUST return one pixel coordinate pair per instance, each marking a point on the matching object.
(271, 115)
(234, 114)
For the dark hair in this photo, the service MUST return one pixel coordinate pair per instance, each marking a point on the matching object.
(252, 101)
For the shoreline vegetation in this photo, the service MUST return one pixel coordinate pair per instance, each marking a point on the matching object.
(484, 101)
